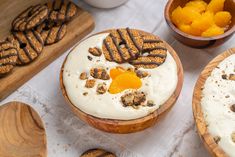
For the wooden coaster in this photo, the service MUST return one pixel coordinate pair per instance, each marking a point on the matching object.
(22, 133)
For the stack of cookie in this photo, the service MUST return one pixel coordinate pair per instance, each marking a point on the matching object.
(34, 28)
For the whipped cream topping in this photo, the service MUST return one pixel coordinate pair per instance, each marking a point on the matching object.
(218, 96)
(158, 87)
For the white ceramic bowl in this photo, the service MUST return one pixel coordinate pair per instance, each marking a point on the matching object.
(105, 3)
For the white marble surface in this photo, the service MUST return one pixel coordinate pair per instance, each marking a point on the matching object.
(174, 136)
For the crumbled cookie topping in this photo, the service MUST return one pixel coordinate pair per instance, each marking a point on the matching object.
(233, 136)
(141, 74)
(232, 77)
(101, 88)
(232, 107)
(85, 93)
(150, 103)
(217, 139)
(90, 83)
(99, 73)
(95, 51)
(133, 99)
(83, 76)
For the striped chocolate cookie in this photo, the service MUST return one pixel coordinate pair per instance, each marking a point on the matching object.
(29, 45)
(8, 57)
(31, 17)
(122, 45)
(51, 32)
(61, 10)
(153, 53)
(97, 153)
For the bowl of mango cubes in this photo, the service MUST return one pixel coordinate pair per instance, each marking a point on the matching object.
(201, 23)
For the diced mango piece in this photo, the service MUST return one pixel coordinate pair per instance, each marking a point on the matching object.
(126, 80)
(222, 18)
(197, 5)
(215, 6)
(203, 23)
(189, 30)
(184, 15)
(176, 16)
(213, 31)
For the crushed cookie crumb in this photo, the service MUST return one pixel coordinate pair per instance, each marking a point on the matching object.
(150, 103)
(90, 83)
(133, 99)
(83, 76)
(232, 107)
(85, 93)
(216, 139)
(95, 51)
(130, 69)
(233, 136)
(232, 77)
(89, 58)
(224, 76)
(101, 88)
(99, 73)
(141, 74)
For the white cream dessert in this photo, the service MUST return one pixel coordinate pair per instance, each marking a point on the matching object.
(218, 104)
(157, 87)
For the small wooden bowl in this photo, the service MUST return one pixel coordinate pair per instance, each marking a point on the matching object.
(129, 126)
(205, 136)
(194, 41)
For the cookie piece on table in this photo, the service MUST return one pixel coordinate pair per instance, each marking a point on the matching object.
(31, 17)
(97, 153)
(154, 53)
(51, 32)
(8, 57)
(29, 45)
(61, 10)
(122, 45)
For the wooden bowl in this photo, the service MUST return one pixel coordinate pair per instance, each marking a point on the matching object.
(128, 126)
(205, 136)
(194, 41)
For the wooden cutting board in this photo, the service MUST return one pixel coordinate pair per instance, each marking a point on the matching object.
(79, 27)
(22, 133)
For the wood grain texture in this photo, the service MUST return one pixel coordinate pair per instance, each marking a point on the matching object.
(79, 27)
(207, 139)
(129, 126)
(194, 41)
(22, 133)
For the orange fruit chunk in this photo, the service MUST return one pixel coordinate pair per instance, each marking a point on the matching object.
(197, 5)
(222, 18)
(126, 80)
(115, 72)
(213, 31)
(215, 6)
(190, 30)
(203, 23)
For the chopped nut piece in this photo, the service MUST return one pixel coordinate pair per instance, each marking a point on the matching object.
(150, 103)
(95, 51)
(141, 74)
(99, 73)
(232, 107)
(83, 76)
(101, 88)
(90, 83)
(233, 136)
(232, 77)
(217, 139)
(133, 99)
